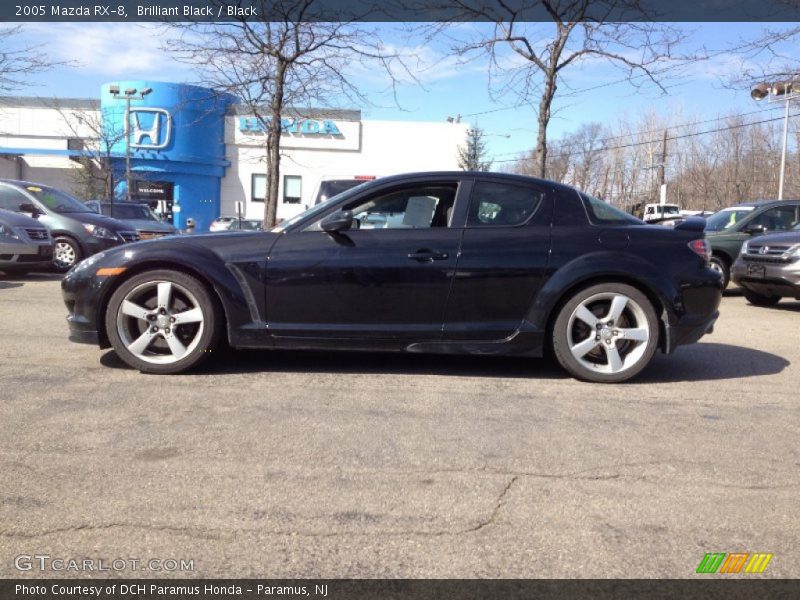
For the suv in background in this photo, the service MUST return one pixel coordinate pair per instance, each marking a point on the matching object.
(137, 215)
(768, 268)
(729, 228)
(24, 244)
(78, 232)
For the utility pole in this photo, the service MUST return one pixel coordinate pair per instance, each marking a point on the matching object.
(662, 171)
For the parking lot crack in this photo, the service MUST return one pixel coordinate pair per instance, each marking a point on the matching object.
(497, 507)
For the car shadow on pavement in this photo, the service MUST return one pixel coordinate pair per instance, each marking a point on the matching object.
(699, 362)
(710, 361)
(5, 285)
(21, 279)
(285, 361)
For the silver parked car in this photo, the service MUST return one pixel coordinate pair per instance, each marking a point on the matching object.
(768, 267)
(25, 245)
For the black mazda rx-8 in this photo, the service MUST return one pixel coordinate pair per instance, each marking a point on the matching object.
(444, 262)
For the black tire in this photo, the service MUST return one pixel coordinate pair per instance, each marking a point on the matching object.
(60, 262)
(719, 265)
(594, 364)
(199, 340)
(760, 300)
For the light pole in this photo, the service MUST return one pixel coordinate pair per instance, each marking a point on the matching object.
(780, 91)
(129, 94)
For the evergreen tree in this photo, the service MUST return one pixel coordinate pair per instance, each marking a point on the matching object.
(472, 156)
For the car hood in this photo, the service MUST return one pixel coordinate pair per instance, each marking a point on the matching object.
(787, 238)
(90, 218)
(149, 225)
(13, 219)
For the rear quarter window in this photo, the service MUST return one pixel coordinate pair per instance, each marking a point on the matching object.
(603, 213)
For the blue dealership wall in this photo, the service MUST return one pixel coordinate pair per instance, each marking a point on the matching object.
(189, 146)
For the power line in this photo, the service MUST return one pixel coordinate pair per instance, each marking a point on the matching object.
(674, 137)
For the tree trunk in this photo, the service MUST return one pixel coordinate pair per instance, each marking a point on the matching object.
(540, 166)
(274, 149)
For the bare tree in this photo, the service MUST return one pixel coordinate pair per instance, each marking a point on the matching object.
(579, 31)
(17, 63)
(94, 138)
(280, 62)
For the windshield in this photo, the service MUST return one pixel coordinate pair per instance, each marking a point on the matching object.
(128, 211)
(671, 210)
(320, 208)
(56, 200)
(727, 217)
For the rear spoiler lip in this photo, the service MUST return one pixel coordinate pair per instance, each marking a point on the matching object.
(692, 223)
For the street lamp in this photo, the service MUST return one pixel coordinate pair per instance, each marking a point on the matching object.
(780, 91)
(129, 94)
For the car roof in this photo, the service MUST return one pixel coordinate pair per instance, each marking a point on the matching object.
(760, 203)
(23, 183)
(461, 174)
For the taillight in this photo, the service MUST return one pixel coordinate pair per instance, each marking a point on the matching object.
(702, 248)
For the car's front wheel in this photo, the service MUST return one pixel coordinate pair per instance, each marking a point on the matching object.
(66, 254)
(760, 299)
(163, 322)
(606, 333)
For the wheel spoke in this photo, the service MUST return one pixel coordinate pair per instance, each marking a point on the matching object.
(614, 359)
(585, 315)
(141, 343)
(134, 310)
(580, 349)
(618, 304)
(639, 334)
(175, 345)
(195, 315)
(164, 294)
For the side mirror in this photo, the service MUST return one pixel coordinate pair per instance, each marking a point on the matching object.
(341, 220)
(754, 229)
(29, 207)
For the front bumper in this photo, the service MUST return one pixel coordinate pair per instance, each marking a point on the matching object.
(776, 279)
(26, 255)
(83, 294)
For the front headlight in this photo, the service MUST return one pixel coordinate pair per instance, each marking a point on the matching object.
(7, 231)
(793, 252)
(744, 248)
(100, 232)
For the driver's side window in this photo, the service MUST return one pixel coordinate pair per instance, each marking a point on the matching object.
(779, 218)
(416, 207)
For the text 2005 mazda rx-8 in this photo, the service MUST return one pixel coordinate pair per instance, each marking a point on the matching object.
(471, 263)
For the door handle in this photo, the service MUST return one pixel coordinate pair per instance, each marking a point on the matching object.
(428, 255)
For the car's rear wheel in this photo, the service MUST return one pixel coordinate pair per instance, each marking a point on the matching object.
(760, 299)
(606, 333)
(720, 266)
(163, 322)
(66, 254)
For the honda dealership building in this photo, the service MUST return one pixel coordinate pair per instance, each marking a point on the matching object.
(202, 155)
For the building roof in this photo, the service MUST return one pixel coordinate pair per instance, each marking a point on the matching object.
(36, 102)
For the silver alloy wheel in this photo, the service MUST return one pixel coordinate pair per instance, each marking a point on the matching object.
(608, 333)
(160, 322)
(64, 254)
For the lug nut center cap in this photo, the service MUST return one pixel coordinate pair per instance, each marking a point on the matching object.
(162, 321)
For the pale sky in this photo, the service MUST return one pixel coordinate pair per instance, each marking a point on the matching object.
(101, 52)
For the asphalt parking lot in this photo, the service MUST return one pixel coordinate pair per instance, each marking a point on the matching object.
(367, 465)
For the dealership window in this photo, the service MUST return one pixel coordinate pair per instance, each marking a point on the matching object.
(292, 188)
(258, 187)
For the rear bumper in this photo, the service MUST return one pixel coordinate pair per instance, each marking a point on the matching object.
(695, 312)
